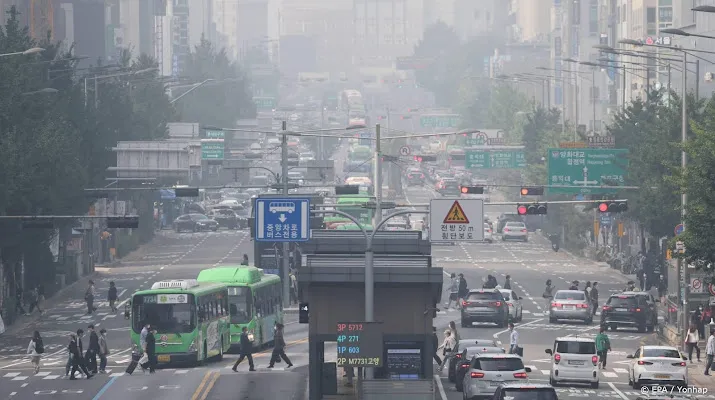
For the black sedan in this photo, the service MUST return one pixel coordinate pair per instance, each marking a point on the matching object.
(225, 217)
(195, 223)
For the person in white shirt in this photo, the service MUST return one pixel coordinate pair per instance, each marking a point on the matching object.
(691, 342)
(453, 291)
(513, 339)
(448, 346)
(710, 352)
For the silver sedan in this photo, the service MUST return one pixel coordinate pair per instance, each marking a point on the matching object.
(570, 304)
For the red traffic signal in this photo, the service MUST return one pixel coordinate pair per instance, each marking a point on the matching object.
(531, 209)
(612, 206)
(471, 190)
(532, 191)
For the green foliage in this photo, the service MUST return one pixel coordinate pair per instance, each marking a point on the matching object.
(221, 102)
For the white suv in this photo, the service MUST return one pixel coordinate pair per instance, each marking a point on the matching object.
(488, 371)
(574, 360)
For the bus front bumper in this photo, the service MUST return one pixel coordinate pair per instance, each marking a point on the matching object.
(180, 358)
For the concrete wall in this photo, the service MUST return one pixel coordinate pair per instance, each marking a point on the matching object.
(401, 309)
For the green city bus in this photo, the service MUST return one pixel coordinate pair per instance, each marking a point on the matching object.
(255, 300)
(191, 320)
(353, 205)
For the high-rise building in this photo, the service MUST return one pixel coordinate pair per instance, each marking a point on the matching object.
(437, 10)
(225, 15)
(252, 28)
(385, 29)
(533, 19)
(474, 18)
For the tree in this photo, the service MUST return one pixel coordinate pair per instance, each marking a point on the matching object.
(697, 180)
(218, 103)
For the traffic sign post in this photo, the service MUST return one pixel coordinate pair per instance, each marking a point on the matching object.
(495, 159)
(440, 121)
(405, 151)
(282, 220)
(587, 168)
(459, 220)
(212, 149)
(605, 219)
(680, 228)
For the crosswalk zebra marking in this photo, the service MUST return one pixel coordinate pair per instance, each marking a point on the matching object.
(609, 374)
(621, 370)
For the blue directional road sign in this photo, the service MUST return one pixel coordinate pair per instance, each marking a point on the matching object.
(282, 220)
(605, 219)
(679, 229)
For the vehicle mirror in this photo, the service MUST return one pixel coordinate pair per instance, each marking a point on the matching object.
(527, 369)
(548, 351)
(630, 356)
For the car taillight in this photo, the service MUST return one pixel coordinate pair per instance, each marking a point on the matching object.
(497, 304)
(457, 356)
(477, 375)
(422, 176)
(520, 375)
(636, 310)
(523, 230)
(506, 229)
(465, 303)
(644, 363)
(594, 360)
(581, 305)
(607, 308)
(680, 364)
(557, 358)
(464, 366)
(557, 305)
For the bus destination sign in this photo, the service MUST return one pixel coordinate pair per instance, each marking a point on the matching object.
(359, 344)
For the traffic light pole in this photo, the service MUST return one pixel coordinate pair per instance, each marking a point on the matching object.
(286, 245)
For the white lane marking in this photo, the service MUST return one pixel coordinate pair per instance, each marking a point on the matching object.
(609, 374)
(621, 370)
(618, 392)
(496, 335)
(440, 388)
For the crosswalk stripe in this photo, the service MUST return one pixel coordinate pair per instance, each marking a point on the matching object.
(621, 370)
(609, 374)
(545, 372)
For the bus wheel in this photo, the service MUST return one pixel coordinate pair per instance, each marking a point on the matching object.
(219, 357)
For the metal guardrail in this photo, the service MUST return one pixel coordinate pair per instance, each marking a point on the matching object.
(422, 389)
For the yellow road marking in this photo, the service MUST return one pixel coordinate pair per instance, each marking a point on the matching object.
(200, 389)
(210, 385)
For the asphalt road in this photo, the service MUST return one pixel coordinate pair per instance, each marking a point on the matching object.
(530, 265)
(169, 256)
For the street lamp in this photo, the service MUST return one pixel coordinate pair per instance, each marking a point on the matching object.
(706, 9)
(194, 87)
(96, 78)
(33, 50)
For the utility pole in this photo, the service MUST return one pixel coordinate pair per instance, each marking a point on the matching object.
(377, 184)
(286, 245)
(683, 268)
(321, 143)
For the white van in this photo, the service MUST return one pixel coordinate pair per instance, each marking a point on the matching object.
(574, 360)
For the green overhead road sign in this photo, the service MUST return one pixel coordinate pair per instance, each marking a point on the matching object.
(586, 167)
(495, 159)
(263, 103)
(215, 134)
(440, 121)
(212, 149)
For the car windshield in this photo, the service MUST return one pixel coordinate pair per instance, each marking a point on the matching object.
(165, 318)
(484, 296)
(506, 294)
(198, 217)
(239, 303)
(515, 225)
(666, 353)
(574, 347)
(529, 394)
(622, 301)
(499, 364)
(570, 296)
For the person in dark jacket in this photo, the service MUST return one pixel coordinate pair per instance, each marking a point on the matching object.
(150, 364)
(435, 346)
(507, 282)
(246, 350)
(112, 296)
(594, 297)
(92, 350)
(279, 347)
(463, 290)
(75, 351)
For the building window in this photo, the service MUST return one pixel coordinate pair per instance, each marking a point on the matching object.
(665, 14)
(650, 15)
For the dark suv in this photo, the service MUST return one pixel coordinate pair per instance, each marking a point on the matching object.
(630, 309)
(415, 178)
(485, 305)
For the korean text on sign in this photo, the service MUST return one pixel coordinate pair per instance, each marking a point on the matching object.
(456, 232)
(282, 231)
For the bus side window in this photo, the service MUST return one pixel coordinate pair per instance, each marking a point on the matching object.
(202, 310)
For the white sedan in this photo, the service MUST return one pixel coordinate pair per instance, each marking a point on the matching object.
(488, 236)
(663, 365)
(515, 230)
(514, 303)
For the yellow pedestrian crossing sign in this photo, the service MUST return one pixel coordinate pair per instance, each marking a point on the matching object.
(456, 215)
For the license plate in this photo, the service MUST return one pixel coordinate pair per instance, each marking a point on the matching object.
(492, 383)
(163, 358)
(662, 377)
(481, 308)
(575, 362)
(622, 309)
(569, 307)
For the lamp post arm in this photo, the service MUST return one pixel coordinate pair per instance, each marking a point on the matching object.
(275, 176)
(387, 218)
(343, 214)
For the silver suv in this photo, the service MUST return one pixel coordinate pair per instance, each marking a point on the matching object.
(488, 371)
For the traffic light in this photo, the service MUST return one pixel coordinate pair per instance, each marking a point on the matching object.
(612, 206)
(472, 190)
(122, 222)
(531, 209)
(347, 189)
(426, 158)
(532, 191)
(186, 192)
